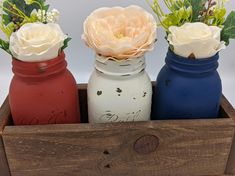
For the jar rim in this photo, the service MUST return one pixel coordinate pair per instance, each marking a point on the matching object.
(39, 69)
(191, 66)
(111, 59)
(189, 60)
(125, 68)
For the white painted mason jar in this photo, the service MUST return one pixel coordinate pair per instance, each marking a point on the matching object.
(119, 91)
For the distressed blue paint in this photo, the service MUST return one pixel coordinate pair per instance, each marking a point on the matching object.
(187, 88)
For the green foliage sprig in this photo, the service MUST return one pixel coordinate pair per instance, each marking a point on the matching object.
(228, 31)
(16, 13)
(210, 12)
(180, 12)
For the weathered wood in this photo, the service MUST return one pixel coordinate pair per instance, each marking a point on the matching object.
(4, 117)
(191, 147)
(229, 110)
(194, 147)
(4, 169)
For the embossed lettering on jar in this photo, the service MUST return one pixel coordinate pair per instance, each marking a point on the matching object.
(119, 91)
(43, 93)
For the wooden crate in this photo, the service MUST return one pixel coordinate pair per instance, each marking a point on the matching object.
(154, 148)
(4, 119)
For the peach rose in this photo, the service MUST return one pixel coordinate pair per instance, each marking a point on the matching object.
(120, 33)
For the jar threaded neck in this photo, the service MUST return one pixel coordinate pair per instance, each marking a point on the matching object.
(39, 69)
(192, 66)
(128, 67)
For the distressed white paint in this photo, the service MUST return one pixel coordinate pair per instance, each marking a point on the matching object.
(119, 91)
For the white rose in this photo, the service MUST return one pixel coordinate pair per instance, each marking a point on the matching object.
(199, 39)
(35, 42)
(120, 33)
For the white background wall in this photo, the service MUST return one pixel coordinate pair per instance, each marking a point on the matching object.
(81, 59)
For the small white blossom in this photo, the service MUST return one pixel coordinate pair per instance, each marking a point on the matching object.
(56, 14)
(53, 16)
(41, 15)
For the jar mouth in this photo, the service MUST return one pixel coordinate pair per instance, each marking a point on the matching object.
(39, 69)
(192, 61)
(127, 67)
(191, 66)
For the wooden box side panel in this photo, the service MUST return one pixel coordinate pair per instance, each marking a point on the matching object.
(4, 117)
(184, 148)
(229, 111)
(4, 169)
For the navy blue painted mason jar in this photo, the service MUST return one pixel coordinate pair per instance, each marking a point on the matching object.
(187, 89)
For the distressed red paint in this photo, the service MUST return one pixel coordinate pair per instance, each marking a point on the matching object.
(43, 93)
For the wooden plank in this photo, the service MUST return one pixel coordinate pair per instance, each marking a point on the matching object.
(53, 130)
(228, 108)
(219, 175)
(4, 115)
(4, 119)
(4, 169)
(194, 147)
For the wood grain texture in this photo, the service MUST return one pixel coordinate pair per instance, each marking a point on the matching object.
(229, 110)
(4, 119)
(4, 115)
(184, 148)
(187, 148)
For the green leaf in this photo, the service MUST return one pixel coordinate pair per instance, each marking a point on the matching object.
(20, 4)
(228, 31)
(34, 6)
(5, 46)
(225, 38)
(198, 6)
(6, 19)
(23, 7)
(30, 8)
(46, 7)
(66, 42)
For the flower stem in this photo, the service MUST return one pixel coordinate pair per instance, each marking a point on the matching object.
(19, 12)
(169, 5)
(11, 12)
(158, 7)
(159, 16)
(207, 12)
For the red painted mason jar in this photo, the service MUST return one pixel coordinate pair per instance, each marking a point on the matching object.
(43, 93)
